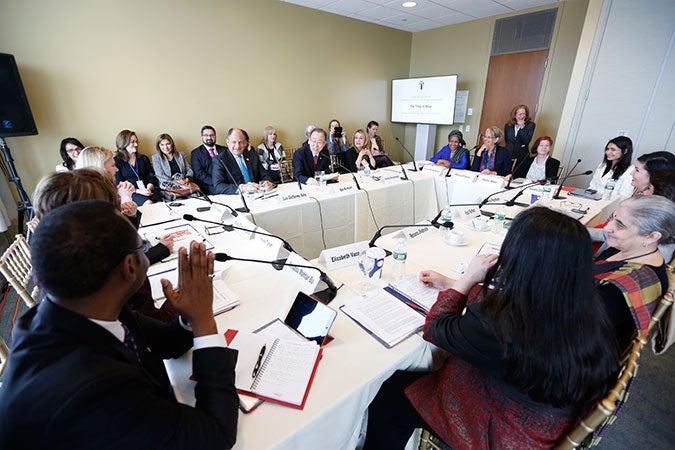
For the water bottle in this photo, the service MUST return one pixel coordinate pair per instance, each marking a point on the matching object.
(446, 214)
(499, 219)
(609, 189)
(547, 194)
(400, 255)
(366, 168)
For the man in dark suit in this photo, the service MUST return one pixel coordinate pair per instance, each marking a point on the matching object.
(239, 167)
(202, 157)
(306, 161)
(87, 372)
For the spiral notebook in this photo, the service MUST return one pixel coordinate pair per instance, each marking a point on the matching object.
(274, 369)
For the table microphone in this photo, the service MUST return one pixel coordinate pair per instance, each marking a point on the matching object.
(414, 169)
(286, 245)
(243, 209)
(515, 169)
(378, 233)
(206, 198)
(339, 164)
(325, 295)
(562, 182)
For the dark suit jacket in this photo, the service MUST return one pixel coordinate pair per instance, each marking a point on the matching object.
(523, 166)
(201, 166)
(518, 146)
(224, 184)
(303, 163)
(502, 161)
(145, 173)
(72, 384)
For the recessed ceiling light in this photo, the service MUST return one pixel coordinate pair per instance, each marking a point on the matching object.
(408, 4)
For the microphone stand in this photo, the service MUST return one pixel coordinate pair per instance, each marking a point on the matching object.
(286, 245)
(562, 182)
(325, 295)
(508, 185)
(339, 164)
(206, 198)
(245, 208)
(414, 169)
(378, 233)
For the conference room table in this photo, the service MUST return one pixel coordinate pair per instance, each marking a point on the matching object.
(354, 364)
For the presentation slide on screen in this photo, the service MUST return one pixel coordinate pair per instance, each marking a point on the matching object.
(428, 100)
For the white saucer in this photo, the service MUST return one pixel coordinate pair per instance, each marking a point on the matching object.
(461, 244)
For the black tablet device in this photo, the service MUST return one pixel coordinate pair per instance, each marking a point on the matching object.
(311, 318)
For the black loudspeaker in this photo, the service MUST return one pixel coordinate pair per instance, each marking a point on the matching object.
(16, 118)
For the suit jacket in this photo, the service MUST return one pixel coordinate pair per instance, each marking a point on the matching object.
(163, 168)
(224, 184)
(303, 163)
(518, 146)
(502, 161)
(202, 165)
(144, 172)
(71, 384)
(523, 166)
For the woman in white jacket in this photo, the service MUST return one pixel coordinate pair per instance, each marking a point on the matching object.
(615, 171)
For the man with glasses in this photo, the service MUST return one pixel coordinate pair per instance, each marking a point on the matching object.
(87, 372)
(202, 159)
(308, 161)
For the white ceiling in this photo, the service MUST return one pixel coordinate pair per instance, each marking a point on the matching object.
(428, 14)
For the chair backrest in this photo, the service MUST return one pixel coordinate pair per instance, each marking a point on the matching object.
(588, 431)
(4, 355)
(286, 166)
(16, 266)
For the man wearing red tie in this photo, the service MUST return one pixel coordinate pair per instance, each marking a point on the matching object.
(239, 167)
(307, 161)
(202, 159)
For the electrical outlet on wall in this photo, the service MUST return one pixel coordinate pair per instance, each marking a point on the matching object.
(468, 128)
(461, 128)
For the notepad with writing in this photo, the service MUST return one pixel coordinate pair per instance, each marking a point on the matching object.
(274, 369)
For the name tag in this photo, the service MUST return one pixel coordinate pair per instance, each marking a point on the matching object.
(342, 188)
(438, 170)
(343, 256)
(308, 279)
(389, 177)
(463, 175)
(467, 212)
(416, 233)
(492, 180)
(293, 196)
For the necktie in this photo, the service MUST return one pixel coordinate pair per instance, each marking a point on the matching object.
(212, 152)
(130, 342)
(316, 157)
(244, 170)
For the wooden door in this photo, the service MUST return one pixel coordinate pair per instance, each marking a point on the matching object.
(512, 79)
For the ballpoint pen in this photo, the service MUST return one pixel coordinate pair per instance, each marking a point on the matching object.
(257, 364)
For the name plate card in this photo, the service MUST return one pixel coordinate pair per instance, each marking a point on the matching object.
(491, 180)
(307, 278)
(438, 170)
(247, 225)
(342, 188)
(417, 233)
(343, 256)
(463, 175)
(390, 176)
(467, 212)
(292, 197)
(270, 248)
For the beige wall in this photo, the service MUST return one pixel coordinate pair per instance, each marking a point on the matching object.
(93, 68)
(465, 49)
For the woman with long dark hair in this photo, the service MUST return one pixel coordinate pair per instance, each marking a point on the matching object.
(531, 352)
(69, 151)
(645, 166)
(615, 171)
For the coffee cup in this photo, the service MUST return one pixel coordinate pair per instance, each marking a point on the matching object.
(455, 237)
(377, 255)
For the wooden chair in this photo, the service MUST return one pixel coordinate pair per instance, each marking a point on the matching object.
(4, 354)
(286, 166)
(588, 432)
(15, 265)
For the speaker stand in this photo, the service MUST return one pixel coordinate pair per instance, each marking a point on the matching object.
(24, 208)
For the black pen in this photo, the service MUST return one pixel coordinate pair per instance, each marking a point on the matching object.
(257, 364)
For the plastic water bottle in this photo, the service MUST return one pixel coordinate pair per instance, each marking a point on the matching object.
(400, 255)
(446, 214)
(366, 168)
(547, 194)
(499, 219)
(609, 189)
